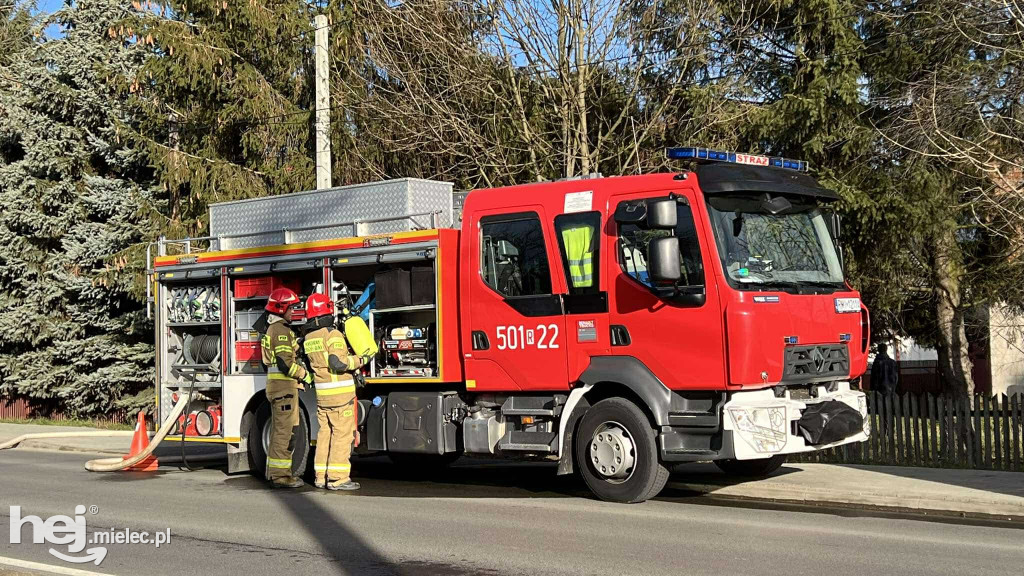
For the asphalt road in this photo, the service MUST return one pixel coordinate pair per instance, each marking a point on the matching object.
(476, 519)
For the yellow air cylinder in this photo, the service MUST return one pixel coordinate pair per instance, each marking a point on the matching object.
(359, 337)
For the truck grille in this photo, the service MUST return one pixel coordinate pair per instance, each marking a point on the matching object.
(816, 363)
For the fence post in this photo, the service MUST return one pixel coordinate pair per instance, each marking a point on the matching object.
(933, 456)
(941, 421)
(997, 431)
(876, 427)
(1015, 420)
(979, 459)
(1007, 441)
(987, 435)
(918, 427)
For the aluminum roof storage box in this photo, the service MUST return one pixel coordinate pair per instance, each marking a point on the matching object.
(358, 210)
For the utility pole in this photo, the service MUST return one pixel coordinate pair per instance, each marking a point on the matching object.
(323, 104)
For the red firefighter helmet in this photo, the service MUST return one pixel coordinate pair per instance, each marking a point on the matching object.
(281, 300)
(318, 305)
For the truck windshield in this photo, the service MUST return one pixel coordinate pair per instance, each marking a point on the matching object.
(757, 248)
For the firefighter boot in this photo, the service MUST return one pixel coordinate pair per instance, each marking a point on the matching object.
(347, 486)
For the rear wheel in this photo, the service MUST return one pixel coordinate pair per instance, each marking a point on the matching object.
(617, 454)
(751, 468)
(259, 440)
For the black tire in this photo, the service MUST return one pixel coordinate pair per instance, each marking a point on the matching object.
(751, 468)
(258, 454)
(648, 475)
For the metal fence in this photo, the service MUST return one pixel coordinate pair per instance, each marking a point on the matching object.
(941, 431)
(21, 409)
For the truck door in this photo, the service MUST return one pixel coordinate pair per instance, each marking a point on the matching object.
(679, 339)
(517, 335)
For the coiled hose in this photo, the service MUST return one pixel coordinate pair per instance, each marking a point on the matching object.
(113, 464)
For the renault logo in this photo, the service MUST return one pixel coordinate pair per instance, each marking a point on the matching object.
(818, 357)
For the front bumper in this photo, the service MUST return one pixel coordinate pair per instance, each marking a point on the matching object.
(756, 424)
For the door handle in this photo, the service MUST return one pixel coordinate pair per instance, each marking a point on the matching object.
(620, 335)
(480, 341)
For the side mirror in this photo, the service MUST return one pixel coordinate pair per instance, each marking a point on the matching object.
(663, 259)
(835, 225)
(661, 214)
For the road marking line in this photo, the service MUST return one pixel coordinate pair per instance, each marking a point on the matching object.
(4, 561)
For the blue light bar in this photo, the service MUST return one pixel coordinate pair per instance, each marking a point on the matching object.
(699, 154)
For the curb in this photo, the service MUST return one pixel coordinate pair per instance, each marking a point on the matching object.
(917, 505)
(52, 447)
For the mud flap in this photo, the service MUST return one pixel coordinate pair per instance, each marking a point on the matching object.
(828, 422)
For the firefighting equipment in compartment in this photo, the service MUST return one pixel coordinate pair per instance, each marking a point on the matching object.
(366, 300)
(194, 304)
(205, 422)
(201, 348)
(318, 305)
(280, 300)
(280, 356)
(407, 351)
(579, 251)
(357, 332)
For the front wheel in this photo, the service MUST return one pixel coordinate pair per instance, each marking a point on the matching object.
(751, 468)
(617, 453)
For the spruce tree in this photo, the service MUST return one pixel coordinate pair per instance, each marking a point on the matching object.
(224, 104)
(72, 336)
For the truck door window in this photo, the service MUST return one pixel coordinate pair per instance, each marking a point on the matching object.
(578, 242)
(634, 238)
(513, 259)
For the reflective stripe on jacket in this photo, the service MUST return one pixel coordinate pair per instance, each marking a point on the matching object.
(280, 353)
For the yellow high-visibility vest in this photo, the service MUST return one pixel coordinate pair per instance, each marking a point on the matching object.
(579, 252)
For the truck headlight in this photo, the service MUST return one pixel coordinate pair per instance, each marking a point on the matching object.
(764, 429)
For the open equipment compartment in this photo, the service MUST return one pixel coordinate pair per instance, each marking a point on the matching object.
(413, 298)
(250, 287)
(190, 347)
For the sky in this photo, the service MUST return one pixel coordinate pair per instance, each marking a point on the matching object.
(53, 31)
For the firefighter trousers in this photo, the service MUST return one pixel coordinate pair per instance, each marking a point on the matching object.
(337, 423)
(284, 418)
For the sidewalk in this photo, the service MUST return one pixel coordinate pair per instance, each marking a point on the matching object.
(977, 493)
(113, 445)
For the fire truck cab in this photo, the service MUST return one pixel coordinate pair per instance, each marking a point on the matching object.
(615, 326)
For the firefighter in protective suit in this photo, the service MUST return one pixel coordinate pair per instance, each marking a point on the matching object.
(285, 377)
(332, 363)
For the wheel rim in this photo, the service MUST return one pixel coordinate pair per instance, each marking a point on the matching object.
(612, 452)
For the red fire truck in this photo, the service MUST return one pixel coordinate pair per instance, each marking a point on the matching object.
(615, 326)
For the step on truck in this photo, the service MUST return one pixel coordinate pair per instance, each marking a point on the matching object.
(614, 326)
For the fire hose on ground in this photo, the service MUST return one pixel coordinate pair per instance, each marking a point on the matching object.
(117, 463)
(110, 464)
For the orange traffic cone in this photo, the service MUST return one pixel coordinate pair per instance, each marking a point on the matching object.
(140, 441)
